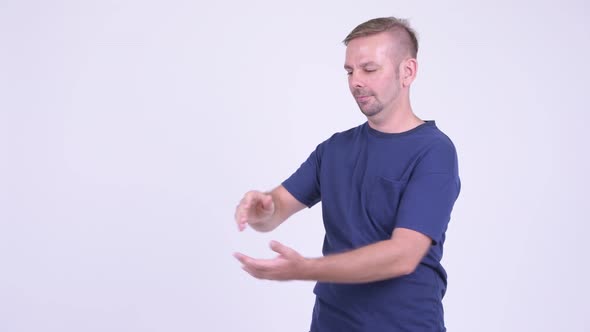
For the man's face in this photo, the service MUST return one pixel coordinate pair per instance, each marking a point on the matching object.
(373, 72)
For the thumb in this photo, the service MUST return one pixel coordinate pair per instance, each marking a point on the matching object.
(281, 248)
(267, 202)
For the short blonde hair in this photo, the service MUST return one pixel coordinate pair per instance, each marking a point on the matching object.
(399, 27)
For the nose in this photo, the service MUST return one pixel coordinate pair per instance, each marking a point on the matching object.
(355, 81)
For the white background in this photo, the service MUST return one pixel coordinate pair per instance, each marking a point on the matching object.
(129, 130)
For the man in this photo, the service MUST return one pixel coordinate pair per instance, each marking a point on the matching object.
(387, 189)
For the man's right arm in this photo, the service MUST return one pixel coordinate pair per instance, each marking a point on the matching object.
(266, 211)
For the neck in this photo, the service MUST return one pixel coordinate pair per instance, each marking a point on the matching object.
(394, 121)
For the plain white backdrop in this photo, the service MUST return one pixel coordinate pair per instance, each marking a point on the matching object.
(129, 130)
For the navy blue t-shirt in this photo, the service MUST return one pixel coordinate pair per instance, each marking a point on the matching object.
(369, 183)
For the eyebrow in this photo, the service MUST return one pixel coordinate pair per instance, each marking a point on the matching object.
(363, 65)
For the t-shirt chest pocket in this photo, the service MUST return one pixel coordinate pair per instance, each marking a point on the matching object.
(383, 197)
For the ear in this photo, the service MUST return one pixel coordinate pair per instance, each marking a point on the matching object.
(408, 71)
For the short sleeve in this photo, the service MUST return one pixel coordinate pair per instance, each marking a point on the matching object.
(304, 184)
(431, 192)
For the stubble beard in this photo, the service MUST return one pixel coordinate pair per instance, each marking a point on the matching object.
(371, 108)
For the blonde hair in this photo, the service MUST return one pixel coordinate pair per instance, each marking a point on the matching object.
(400, 27)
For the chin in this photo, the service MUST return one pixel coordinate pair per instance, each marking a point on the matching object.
(370, 112)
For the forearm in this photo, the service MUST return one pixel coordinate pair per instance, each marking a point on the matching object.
(378, 261)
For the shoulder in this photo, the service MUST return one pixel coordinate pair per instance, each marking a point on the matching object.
(347, 136)
(436, 140)
(342, 143)
(438, 150)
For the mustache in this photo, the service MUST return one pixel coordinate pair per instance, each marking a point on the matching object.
(361, 93)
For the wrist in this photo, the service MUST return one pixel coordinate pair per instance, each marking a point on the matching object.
(309, 269)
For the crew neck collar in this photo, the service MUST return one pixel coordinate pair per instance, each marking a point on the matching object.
(375, 132)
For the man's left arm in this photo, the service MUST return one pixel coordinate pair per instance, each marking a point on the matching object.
(382, 260)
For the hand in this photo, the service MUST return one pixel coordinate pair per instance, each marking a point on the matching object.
(288, 265)
(256, 207)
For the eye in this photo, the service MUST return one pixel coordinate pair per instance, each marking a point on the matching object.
(370, 70)
(348, 73)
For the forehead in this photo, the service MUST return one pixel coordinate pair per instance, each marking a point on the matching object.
(375, 48)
